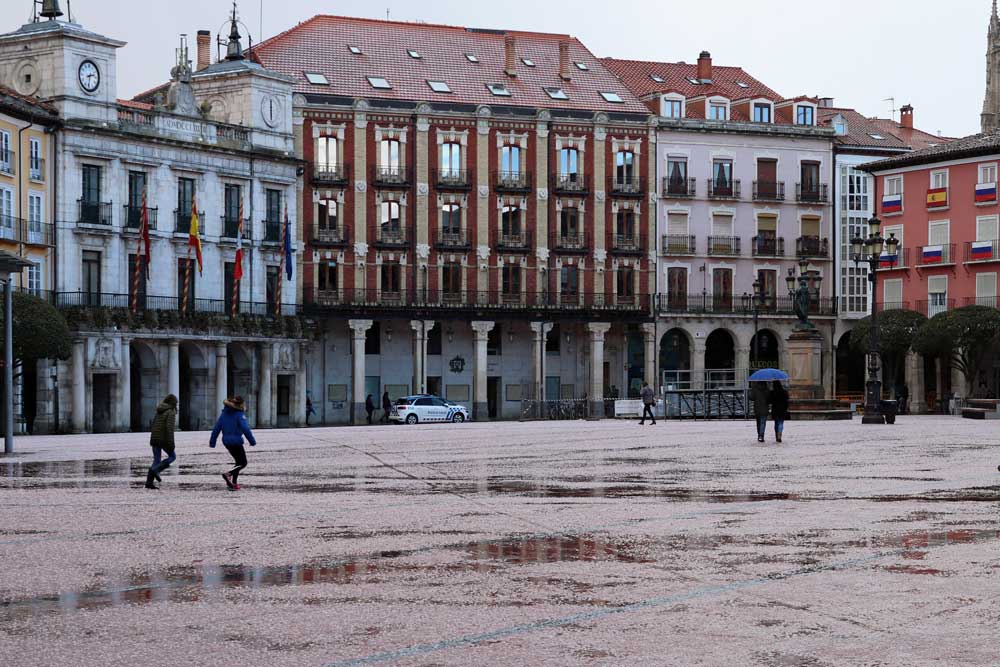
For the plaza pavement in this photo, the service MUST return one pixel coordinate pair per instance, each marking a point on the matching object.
(571, 543)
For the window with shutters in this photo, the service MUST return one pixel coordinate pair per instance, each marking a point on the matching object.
(327, 153)
(937, 295)
(677, 225)
(988, 173)
(939, 179)
(511, 284)
(986, 228)
(892, 294)
(722, 225)
(986, 288)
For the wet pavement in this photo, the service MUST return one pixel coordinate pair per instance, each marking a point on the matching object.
(501, 544)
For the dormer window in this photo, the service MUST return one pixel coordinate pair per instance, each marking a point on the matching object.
(612, 97)
(762, 112)
(805, 115)
(414, 54)
(672, 106)
(718, 108)
(557, 93)
(840, 125)
(498, 89)
(356, 50)
(379, 82)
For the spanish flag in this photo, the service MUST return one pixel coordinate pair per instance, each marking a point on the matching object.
(937, 198)
(194, 235)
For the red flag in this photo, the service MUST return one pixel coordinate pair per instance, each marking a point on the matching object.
(194, 234)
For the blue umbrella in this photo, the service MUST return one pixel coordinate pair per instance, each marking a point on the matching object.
(768, 375)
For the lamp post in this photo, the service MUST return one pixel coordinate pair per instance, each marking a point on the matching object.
(869, 251)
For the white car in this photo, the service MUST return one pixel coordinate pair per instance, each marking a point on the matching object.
(427, 408)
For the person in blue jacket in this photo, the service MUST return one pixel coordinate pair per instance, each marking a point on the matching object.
(233, 425)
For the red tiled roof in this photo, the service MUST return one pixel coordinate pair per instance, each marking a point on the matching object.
(320, 45)
(636, 74)
(860, 130)
(913, 137)
(27, 102)
(132, 104)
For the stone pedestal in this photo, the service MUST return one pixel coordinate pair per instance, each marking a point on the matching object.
(805, 355)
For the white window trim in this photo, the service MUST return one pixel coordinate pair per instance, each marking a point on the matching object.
(885, 289)
(937, 172)
(761, 100)
(986, 165)
(986, 275)
(767, 213)
(988, 218)
(715, 100)
(902, 184)
(939, 223)
(674, 97)
(795, 111)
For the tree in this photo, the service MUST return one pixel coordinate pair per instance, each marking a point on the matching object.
(966, 336)
(896, 332)
(40, 331)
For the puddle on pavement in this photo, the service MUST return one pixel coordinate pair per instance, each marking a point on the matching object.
(555, 550)
(544, 490)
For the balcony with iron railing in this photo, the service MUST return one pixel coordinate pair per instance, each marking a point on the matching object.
(8, 162)
(512, 181)
(883, 307)
(626, 244)
(932, 307)
(769, 191)
(452, 179)
(133, 218)
(94, 213)
(272, 231)
(571, 242)
(36, 232)
(931, 256)
(147, 302)
(985, 301)
(332, 174)
(570, 184)
(723, 245)
(901, 261)
(10, 227)
(768, 246)
(981, 252)
(36, 169)
(391, 176)
(677, 245)
(452, 239)
(391, 236)
(182, 223)
(724, 189)
(513, 239)
(812, 193)
(626, 186)
(731, 304)
(680, 188)
(812, 246)
(231, 228)
(427, 299)
(330, 236)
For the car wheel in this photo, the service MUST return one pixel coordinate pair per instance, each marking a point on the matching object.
(411, 419)
(458, 418)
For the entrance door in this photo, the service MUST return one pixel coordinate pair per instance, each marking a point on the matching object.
(493, 397)
(284, 400)
(552, 384)
(677, 288)
(434, 385)
(101, 388)
(722, 289)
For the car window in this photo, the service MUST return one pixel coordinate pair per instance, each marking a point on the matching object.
(438, 402)
(402, 401)
(423, 401)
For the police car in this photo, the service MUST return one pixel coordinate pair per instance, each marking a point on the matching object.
(427, 408)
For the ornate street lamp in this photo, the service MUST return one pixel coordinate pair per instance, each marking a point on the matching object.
(869, 251)
(808, 283)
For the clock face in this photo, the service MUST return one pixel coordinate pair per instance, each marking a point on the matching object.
(90, 76)
(270, 110)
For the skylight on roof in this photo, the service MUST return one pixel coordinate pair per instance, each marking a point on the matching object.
(742, 85)
(557, 93)
(316, 79)
(612, 97)
(471, 57)
(379, 82)
(528, 62)
(356, 50)
(438, 86)
(694, 80)
(879, 137)
(582, 66)
(657, 78)
(414, 54)
(498, 89)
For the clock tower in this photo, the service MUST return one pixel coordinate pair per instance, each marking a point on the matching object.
(62, 63)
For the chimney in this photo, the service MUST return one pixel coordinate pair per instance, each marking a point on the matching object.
(826, 103)
(906, 117)
(510, 45)
(204, 49)
(705, 66)
(564, 72)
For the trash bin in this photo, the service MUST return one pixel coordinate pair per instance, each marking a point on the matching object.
(889, 410)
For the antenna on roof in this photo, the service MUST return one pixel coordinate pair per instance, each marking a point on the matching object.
(386, 13)
(892, 107)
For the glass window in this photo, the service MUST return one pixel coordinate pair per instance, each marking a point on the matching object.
(185, 196)
(327, 280)
(625, 224)
(569, 163)
(390, 216)
(570, 280)
(498, 89)
(327, 152)
(987, 173)
(91, 274)
(273, 205)
(557, 93)
(718, 111)
(673, 108)
(761, 113)
(510, 221)
(232, 198)
(854, 189)
(271, 278)
(451, 160)
(511, 284)
(91, 183)
(677, 169)
(35, 158)
(389, 154)
(625, 167)
(614, 98)
(329, 210)
(894, 185)
(439, 86)
(451, 278)
(34, 279)
(722, 173)
(390, 278)
(805, 115)
(626, 281)
(35, 212)
(939, 179)
(379, 82)
(510, 159)
(569, 225)
(810, 177)
(451, 219)
(316, 79)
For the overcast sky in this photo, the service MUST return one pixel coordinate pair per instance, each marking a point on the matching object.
(859, 52)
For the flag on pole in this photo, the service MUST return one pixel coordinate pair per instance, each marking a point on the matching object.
(289, 265)
(194, 234)
(238, 268)
(145, 230)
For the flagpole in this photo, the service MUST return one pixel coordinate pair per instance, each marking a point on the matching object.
(281, 269)
(187, 283)
(143, 221)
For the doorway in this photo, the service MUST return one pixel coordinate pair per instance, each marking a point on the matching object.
(434, 385)
(493, 397)
(29, 395)
(284, 401)
(101, 387)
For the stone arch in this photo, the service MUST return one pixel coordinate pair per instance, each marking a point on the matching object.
(195, 403)
(240, 374)
(850, 368)
(144, 384)
(768, 353)
(675, 361)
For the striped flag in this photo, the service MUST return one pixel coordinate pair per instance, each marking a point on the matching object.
(194, 234)
(892, 204)
(887, 261)
(986, 192)
(933, 254)
(937, 197)
(982, 250)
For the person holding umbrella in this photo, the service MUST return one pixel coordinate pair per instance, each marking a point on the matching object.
(763, 398)
(779, 408)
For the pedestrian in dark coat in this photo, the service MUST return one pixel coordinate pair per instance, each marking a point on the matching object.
(779, 408)
(161, 439)
(370, 407)
(648, 403)
(233, 425)
(386, 407)
(761, 406)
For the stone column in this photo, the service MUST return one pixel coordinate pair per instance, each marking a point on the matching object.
(125, 383)
(698, 364)
(174, 373)
(743, 358)
(915, 382)
(358, 330)
(480, 406)
(80, 385)
(419, 359)
(221, 375)
(649, 338)
(539, 331)
(264, 398)
(958, 382)
(597, 330)
(301, 385)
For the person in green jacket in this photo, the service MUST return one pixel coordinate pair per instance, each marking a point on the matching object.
(161, 439)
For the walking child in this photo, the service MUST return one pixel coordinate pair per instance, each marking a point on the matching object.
(233, 425)
(779, 408)
(161, 439)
